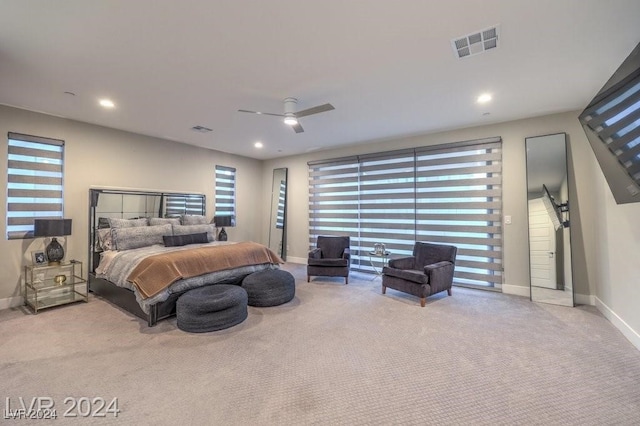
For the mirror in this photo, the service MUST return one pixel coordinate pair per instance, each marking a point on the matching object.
(278, 220)
(548, 212)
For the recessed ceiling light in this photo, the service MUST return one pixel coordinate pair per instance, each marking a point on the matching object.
(258, 144)
(107, 103)
(484, 98)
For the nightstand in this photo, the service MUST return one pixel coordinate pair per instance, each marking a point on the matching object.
(46, 286)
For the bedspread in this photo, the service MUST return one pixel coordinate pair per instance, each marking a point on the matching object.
(157, 272)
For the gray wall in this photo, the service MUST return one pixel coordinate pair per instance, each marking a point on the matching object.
(103, 157)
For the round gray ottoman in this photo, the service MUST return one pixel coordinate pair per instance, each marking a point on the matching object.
(270, 287)
(211, 308)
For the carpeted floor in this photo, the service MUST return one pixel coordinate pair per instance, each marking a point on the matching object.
(334, 355)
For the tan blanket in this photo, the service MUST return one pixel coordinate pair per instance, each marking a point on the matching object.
(155, 273)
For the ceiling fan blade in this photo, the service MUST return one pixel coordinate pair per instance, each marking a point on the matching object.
(314, 110)
(298, 128)
(261, 113)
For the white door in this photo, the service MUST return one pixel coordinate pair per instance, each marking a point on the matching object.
(542, 246)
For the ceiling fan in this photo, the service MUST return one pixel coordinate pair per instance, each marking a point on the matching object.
(291, 116)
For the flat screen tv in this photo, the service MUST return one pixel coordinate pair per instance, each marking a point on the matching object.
(611, 122)
(553, 210)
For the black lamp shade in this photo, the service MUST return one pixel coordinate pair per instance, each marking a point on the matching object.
(51, 227)
(222, 221)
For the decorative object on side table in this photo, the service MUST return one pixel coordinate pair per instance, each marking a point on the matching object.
(52, 228)
(221, 221)
(39, 257)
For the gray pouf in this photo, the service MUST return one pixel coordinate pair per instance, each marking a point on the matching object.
(211, 308)
(270, 287)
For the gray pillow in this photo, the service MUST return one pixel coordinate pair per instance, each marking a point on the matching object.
(196, 229)
(115, 222)
(194, 219)
(164, 220)
(139, 236)
(183, 240)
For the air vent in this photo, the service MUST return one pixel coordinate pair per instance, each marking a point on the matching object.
(201, 129)
(477, 42)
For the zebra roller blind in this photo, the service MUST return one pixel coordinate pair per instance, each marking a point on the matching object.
(226, 192)
(449, 194)
(35, 173)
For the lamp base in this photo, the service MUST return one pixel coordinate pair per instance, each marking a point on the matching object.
(222, 236)
(55, 252)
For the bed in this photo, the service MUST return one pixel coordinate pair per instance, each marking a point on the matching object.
(147, 248)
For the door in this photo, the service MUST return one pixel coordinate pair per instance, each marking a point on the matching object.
(542, 243)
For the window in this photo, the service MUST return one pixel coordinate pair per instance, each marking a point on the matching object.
(35, 174)
(616, 121)
(449, 194)
(226, 192)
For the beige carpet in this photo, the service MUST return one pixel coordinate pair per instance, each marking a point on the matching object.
(336, 354)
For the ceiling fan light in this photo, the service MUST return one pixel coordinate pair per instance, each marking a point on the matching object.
(290, 120)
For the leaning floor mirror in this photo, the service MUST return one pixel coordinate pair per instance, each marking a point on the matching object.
(548, 212)
(278, 219)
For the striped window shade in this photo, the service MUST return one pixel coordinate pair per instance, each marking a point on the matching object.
(448, 194)
(459, 202)
(616, 121)
(35, 173)
(176, 205)
(225, 191)
(281, 201)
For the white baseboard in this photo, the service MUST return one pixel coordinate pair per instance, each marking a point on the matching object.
(11, 302)
(628, 332)
(300, 260)
(516, 290)
(584, 299)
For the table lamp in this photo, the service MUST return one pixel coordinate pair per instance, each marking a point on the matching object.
(52, 228)
(222, 221)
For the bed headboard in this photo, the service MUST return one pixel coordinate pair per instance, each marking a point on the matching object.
(129, 204)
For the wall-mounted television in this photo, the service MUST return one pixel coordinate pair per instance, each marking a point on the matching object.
(554, 210)
(611, 122)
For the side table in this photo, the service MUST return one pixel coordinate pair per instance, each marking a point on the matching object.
(382, 258)
(46, 286)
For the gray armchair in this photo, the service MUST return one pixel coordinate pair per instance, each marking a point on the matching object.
(427, 272)
(330, 258)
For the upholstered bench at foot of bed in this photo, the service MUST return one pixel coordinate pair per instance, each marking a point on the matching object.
(211, 308)
(270, 287)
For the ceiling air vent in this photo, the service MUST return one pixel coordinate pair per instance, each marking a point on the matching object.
(477, 42)
(201, 129)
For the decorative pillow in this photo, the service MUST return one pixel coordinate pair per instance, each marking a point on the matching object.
(103, 222)
(163, 220)
(105, 240)
(196, 229)
(115, 222)
(139, 236)
(194, 219)
(183, 240)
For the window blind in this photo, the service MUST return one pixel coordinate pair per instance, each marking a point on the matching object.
(225, 191)
(176, 205)
(333, 200)
(281, 201)
(616, 121)
(34, 182)
(449, 194)
(459, 202)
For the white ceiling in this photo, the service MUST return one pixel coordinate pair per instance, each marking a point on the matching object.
(387, 66)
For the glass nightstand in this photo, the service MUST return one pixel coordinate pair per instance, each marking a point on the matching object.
(46, 286)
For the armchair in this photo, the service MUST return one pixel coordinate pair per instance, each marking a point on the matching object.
(427, 272)
(330, 258)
